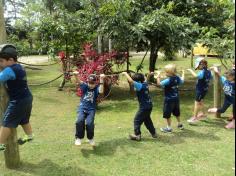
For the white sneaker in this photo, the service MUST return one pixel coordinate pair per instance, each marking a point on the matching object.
(91, 142)
(78, 142)
(192, 120)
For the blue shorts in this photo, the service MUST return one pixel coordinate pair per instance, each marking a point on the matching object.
(171, 107)
(18, 112)
(200, 96)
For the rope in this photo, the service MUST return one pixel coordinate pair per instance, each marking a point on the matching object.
(47, 82)
(42, 65)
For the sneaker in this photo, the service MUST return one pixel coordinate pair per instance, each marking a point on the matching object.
(78, 142)
(231, 125)
(91, 142)
(180, 126)
(166, 130)
(192, 120)
(135, 137)
(201, 116)
(212, 110)
(154, 136)
(2, 147)
(25, 139)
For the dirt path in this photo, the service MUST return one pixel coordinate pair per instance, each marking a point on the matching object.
(34, 59)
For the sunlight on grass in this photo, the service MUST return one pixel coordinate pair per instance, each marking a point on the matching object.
(206, 149)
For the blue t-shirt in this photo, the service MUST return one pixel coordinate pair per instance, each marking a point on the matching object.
(229, 90)
(204, 78)
(14, 78)
(171, 87)
(142, 92)
(89, 97)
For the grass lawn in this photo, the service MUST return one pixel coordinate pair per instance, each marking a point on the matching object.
(206, 149)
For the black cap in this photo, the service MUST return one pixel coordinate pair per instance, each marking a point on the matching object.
(92, 78)
(8, 51)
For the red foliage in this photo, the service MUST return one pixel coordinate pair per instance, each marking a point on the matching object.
(94, 63)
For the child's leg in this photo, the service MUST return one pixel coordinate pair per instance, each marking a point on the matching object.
(27, 129)
(90, 124)
(148, 122)
(197, 107)
(80, 125)
(231, 125)
(167, 110)
(4, 134)
(138, 121)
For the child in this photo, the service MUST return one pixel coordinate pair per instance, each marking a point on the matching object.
(171, 102)
(87, 108)
(202, 86)
(145, 106)
(229, 90)
(20, 98)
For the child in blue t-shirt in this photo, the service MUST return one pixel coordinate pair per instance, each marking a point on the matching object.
(18, 111)
(145, 106)
(171, 102)
(204, 77)
(228, 82)
(87, 108)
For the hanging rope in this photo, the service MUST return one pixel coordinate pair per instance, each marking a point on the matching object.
(41, 84)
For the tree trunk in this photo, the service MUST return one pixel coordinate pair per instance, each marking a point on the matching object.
(12, 157)
(153, 56)
(99, 44)
(110, 45)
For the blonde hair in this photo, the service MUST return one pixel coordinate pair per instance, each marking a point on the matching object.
(171, 69)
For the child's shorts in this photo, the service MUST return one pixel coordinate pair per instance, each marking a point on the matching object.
(200, 96)
(18, 112)
(171, 107)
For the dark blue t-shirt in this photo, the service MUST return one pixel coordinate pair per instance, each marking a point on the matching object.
(204, 78)
(171, 88)
(15, 80)
(142, 92)
(229, 90)
(89, 97)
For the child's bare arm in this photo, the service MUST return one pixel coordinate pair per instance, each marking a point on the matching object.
(128, 77)
(77, 80)
(215, 69)
(158, 78)
(192, 72)
(183, 75)
(101, 87)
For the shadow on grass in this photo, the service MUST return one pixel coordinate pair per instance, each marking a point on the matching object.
(49, 168)
(109, 147)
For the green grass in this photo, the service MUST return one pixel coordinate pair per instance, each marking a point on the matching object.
(206, 149)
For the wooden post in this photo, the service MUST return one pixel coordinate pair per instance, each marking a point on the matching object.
(12, 156)
(217, 91)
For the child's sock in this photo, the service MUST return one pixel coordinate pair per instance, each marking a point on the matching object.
(30, 136)
(169, 127)
(2, 147)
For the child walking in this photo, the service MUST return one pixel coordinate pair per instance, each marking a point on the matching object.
(203, 79)
(228, 82)
(20, 98)
(171, 102)
(145, 106)
(87, 108)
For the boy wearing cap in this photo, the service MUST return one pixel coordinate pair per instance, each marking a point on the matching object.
(171, 102)
(87, 108)
(204, 77)
(20, 98)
